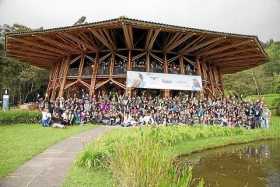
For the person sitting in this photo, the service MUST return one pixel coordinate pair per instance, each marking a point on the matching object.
(57, 121)
(46, 118)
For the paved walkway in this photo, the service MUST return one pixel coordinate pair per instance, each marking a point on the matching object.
(49, 168)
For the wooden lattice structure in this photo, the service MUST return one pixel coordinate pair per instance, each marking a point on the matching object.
(95, 54)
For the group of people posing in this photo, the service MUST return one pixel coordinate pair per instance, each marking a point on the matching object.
(115, 109)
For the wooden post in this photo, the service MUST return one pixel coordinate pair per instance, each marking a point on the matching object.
(128, 91)
(54, 81)
(148, 61)
(199, 69)
(93, 76)
(111, 68)
(166, 92)
(182, 67)
(47, 95)
(81, 67)
(65, 67)
(204, 70)
(216, 78)
(221, 80)
(210, 72)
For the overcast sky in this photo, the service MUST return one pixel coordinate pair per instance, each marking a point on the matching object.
(254, 17)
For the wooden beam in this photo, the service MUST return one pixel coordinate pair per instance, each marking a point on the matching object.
(166, 92)
(243, 62)
(65, 68)
(151, 37)
(138, 56)
(155, 34)
(189, 61)
(210, 73)
(220, 77)
(147, 63)
(179, 41)
(128, 36)
(94, 74)
(207, 48)
(171, 39)
(76, 39)
(25, 53)
(221, 49)
(182, 66)
(85, 37)
(238, 58)
(157, 58)
(84, 83)
(36, 44)
(109, 38)
(33, 50)
(70, 84)
(28, 60)
(81, 67)
(69, 42)
(228, 54)
(128, 90)
(118, 83)
(197, 40)
(204, 44)
(101, 38)
(98, 85)
(53, 42)
(111, 67)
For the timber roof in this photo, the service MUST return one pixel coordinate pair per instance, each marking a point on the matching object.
(230, 52)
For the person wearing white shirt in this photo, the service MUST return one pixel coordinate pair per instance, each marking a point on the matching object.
(46, 118)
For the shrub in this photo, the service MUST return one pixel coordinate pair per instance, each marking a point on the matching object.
(19, 116)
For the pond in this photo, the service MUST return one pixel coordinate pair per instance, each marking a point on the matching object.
(255, 164)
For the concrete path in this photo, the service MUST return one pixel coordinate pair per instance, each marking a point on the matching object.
(49, 168)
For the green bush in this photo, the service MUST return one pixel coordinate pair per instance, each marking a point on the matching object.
(19, 116)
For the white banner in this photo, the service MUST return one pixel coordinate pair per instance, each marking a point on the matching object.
(136, 79)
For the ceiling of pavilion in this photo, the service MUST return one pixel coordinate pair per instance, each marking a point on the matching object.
(230, 52)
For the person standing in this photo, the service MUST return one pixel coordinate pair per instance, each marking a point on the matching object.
(266, 117)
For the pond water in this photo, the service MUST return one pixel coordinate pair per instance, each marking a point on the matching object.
(252, 165)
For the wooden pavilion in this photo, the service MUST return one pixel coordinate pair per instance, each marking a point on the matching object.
(96, 54)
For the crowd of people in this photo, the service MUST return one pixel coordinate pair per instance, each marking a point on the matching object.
(115, 109)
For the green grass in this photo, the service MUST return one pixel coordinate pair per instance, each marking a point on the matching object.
(269, 99)
(20, 142)
(96, 161)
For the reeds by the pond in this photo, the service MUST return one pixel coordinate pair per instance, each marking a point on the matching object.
(135, 156)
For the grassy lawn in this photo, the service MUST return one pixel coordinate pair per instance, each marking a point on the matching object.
(269, 99)
(89, 169)
(20, 142)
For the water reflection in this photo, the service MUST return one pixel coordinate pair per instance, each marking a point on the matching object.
(255, 164)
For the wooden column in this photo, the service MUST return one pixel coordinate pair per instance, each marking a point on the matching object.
(147, 61)
(65, 68)
(128, 91)
(81, 67)
(198, 71)
(216, 80)
(54, 81)
(221, 81)
(210, 72)
(166, 92)
(111, 68)
(182, 66)
(48, 92)
(204, 70)
(95, 66)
